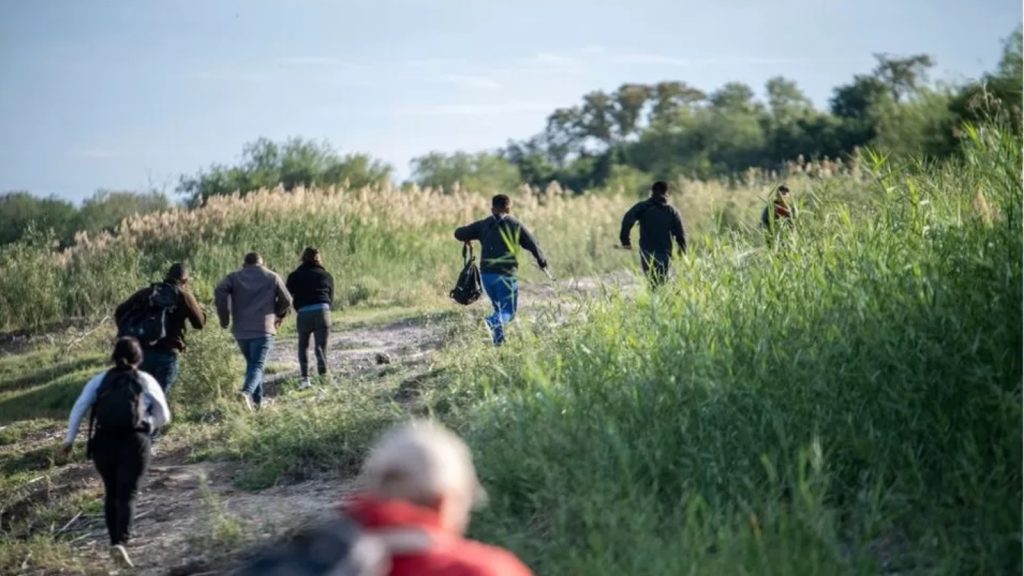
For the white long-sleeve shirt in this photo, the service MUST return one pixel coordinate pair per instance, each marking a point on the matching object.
(157, 412)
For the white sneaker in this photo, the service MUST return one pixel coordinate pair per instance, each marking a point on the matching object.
(246, 400)
(120, 556)
(304, 384)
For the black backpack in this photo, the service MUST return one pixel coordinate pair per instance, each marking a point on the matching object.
(147, 321)
(469, 288)
(335, 547)
(119, 405)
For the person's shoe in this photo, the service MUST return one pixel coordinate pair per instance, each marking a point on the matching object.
(304, 384)
(246, 400)
(120, 556)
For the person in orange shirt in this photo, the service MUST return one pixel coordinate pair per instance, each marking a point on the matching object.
(417, 490)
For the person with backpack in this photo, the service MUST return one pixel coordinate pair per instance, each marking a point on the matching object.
(312, 290)
(779, 211)
(127, 405)
(253, 301)
(156, 316)
(501, 236)
(660, 224)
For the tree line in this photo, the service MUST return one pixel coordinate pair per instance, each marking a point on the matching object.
(621, 138)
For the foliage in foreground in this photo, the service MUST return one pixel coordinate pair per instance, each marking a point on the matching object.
(848, 401)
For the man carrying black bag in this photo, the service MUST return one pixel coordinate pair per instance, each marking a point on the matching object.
(501, 236)
(468, 289)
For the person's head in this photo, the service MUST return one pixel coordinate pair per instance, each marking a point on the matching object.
(311, 256)
(177, 274)
(253, 259)
(501, 204)
(425, 464)
(659, 188)
(127, 353)
(783, 191)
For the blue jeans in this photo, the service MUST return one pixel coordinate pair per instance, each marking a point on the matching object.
(162, 365)
(255, 350)
(503, 291)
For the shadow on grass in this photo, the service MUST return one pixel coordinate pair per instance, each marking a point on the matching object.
(52, 400)
(44, 371)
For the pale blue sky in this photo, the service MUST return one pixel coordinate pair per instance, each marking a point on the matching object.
(130, 94)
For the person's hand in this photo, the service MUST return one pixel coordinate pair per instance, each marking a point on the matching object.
(278, 321)
(223, 325)
(625, 247)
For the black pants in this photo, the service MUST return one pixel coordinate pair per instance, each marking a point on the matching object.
(318, 324)
(656, 267)
(121, 459)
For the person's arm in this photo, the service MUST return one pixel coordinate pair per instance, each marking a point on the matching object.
(292, 284)
(628, 221)
(528, 242)
(282, 298)
(159, 413)
(469, 232)
(678, 230)
(193, 311)
(128, 305)
(222, 298)
(85, 400)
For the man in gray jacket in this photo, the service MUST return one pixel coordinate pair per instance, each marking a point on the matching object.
(258, 301)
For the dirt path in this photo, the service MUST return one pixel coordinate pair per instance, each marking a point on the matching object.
(184, 503)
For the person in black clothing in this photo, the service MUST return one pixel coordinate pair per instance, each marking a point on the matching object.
(126, 406)
(660, 223)
(161, 359)
(500, 236)
(312, 290)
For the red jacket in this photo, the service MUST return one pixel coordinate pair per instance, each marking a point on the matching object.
(446, 553)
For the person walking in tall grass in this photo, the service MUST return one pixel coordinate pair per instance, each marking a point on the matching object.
(127, 406)
(160, 357)
(254, 301)
(660, 224)
(779, 212)
(501, 236)
(312, 290)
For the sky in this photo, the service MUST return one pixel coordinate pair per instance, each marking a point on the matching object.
(129, 95)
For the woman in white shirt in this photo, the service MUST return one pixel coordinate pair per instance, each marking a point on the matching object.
(127, 406)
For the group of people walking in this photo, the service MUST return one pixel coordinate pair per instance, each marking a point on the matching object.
(128, 403)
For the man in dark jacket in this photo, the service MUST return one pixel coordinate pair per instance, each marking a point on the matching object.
(501, 236)
(660, 223)
(160, 360)
(312, 290)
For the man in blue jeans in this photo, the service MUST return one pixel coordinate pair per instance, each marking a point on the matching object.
(501, 236)
(254, 301)
(160, 359)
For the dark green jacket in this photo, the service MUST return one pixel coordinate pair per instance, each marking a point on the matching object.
(500, 238)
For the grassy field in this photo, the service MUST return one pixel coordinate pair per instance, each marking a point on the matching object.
(844, 398)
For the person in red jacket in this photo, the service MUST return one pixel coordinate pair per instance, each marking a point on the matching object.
(418, 488)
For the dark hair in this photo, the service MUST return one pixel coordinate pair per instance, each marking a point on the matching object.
(784, 189)
(177, 273)
(253, 258)
(311, 255)
(127, 353)
(660, 188)
(501, 202)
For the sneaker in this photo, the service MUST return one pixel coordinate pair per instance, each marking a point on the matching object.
(304, 384)
(120, 556)
(246, 400)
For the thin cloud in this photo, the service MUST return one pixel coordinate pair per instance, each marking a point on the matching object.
(653, 59)
(553, 59)
(475, 109)
(94, 153)
(471, 82)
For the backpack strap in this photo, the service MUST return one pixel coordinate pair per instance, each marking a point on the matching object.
(92, 409)
(467, 253)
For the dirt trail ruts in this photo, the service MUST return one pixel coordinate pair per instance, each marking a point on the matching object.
(179, 501)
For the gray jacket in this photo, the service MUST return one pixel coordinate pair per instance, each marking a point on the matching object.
(255, 297)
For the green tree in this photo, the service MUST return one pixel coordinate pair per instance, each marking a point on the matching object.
(294, 162)
(20, 211)
(902, 76)
(480, 172)
(105, 209)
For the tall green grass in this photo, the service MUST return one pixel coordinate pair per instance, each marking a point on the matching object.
(846, 401)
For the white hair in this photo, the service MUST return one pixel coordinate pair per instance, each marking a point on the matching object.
(421, 462)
